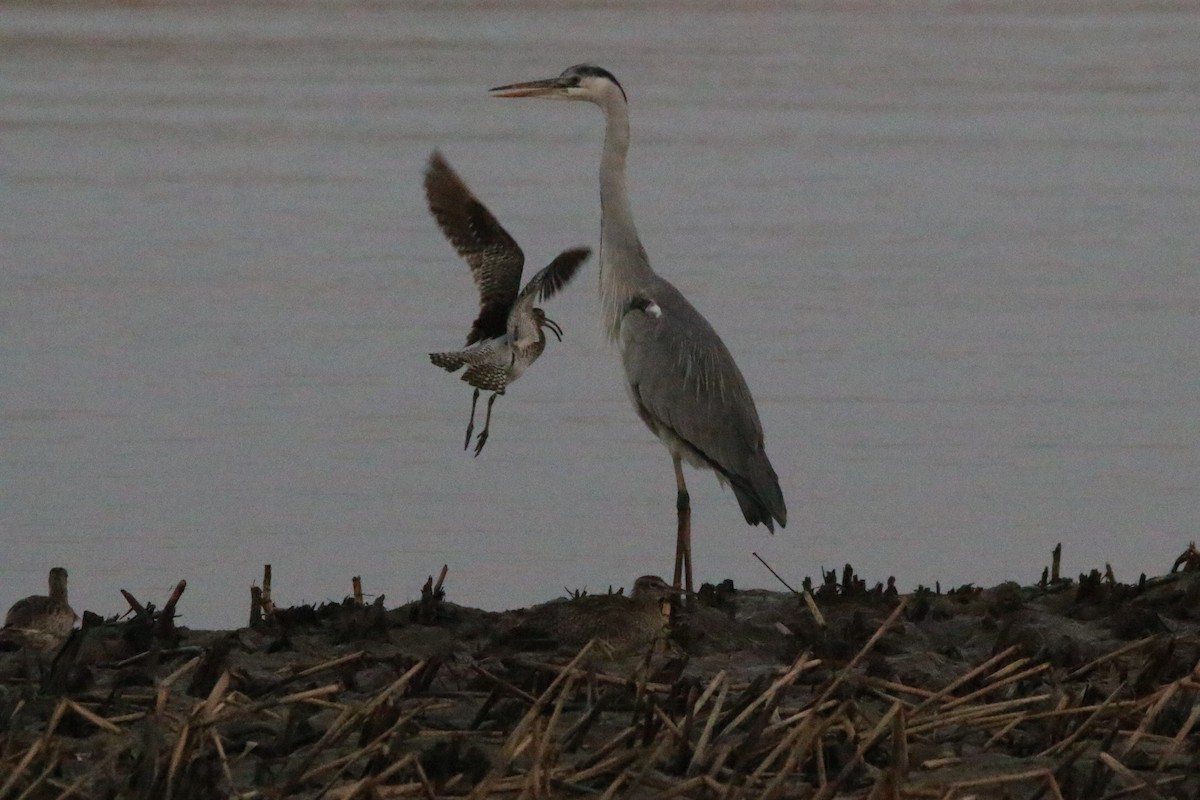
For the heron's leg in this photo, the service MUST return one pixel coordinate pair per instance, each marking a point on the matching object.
(471, 424)
(683, 530)
(487, 423)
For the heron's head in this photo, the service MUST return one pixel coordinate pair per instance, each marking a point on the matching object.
(580, 82)
(545, 322)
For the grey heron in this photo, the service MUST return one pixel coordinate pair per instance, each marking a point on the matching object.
(42, 621)
(507, 335)
(681, 378)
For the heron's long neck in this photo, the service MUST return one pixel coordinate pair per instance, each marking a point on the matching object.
(624, 267)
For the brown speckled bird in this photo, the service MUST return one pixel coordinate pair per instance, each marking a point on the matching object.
(40, 621)
(622, 622)
(507, 335)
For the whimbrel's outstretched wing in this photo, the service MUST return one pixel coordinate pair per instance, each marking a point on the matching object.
(493, 255)
(549, 280)
(544, 285)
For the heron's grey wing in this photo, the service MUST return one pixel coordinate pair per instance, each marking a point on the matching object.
(689, 391)
(492, 254)
(542, 286)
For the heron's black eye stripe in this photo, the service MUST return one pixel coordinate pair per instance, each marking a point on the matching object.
(580, 71)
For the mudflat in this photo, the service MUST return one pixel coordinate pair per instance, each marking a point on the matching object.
(1071, 688)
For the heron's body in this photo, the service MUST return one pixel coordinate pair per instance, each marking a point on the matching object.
(41, 620)
(508, 334)
(699, 405)
(681, 378)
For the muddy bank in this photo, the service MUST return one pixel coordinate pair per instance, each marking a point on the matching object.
(1081, 688)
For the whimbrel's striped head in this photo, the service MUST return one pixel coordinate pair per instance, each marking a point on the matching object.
(653, 586)
(545, 322)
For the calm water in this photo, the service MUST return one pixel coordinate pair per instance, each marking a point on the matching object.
(954, 250)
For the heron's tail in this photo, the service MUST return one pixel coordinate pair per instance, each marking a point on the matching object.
(759, 495)
(448, 361)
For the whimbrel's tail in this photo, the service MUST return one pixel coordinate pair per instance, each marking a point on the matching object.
(448, 361)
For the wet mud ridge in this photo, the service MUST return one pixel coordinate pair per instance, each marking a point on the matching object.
(1081, 688)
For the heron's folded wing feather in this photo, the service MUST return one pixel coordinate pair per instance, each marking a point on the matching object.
(687, 385)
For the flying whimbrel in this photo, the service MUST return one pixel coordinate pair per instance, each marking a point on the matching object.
(39, 621)
(507, 335)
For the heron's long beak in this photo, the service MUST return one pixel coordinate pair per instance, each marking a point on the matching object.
(551, 87)
(553, 326)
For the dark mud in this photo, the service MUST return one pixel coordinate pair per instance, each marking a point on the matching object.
(1073, 689)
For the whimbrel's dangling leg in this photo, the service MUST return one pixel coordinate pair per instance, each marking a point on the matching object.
(471, 424)
(487, 423)
(683, 531)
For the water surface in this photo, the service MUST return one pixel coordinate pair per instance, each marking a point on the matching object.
(953, 249)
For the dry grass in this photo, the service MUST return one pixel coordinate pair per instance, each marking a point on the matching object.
(1009, 726)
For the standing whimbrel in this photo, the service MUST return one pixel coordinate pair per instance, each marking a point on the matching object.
(40, 621)
(624, 623)
(507, 335)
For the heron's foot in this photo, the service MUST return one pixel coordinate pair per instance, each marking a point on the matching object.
(480, 442)
(470, 430)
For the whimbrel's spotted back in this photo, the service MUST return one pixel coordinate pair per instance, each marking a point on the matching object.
(623, 622)
(41, 621)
